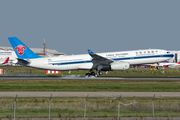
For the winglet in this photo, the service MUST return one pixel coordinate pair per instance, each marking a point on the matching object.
(6, 61)
(90, 52)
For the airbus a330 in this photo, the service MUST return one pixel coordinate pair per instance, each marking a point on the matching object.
(120, 60)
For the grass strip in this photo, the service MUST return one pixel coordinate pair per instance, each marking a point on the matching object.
(87, 85)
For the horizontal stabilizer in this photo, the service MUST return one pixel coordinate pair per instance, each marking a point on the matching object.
(23, 62)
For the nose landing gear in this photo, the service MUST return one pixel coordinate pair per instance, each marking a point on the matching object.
(91, 73)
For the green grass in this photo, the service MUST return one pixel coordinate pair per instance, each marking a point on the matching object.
(87, 85)
(96, 107)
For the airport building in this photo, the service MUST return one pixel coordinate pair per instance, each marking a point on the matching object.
(9, 52)
(176, 57)
(38, 51)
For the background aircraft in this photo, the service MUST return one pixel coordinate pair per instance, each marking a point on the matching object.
(166, 64)
(2, 61)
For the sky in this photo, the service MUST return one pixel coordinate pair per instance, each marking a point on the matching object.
(74, 26)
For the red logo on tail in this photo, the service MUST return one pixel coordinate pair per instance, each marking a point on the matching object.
(20, 49)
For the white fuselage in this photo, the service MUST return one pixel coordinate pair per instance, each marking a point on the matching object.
(75, 62)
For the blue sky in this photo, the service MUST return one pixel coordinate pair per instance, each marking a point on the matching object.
(74, 26)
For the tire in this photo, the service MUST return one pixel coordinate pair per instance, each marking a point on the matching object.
(87, 74)
(92, 73)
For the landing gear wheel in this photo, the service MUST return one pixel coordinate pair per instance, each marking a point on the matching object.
(99, 73)
(87, 74)
(90, 74)
(93, 73)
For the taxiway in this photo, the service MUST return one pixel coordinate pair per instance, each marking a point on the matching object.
(72, 94)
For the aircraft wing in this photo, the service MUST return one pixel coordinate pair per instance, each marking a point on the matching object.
(99, 60)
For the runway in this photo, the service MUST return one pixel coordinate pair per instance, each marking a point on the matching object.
(81, 78)
(77, 94)
(47, 94)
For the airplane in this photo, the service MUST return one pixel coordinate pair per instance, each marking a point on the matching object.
(93, 61)
(7, 52)
(171, 65)
(4, 62)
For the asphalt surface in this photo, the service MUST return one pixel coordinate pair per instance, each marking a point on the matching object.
(47, 94)
(78, 78)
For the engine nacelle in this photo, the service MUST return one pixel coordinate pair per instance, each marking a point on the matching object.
(116, 66)
(120, 66)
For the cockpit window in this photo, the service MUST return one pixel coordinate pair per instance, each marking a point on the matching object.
(168, 52)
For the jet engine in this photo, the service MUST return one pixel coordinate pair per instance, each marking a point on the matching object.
(120, 66)
(116, 66)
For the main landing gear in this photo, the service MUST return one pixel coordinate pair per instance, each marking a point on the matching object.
(91, 73)
(98, 69)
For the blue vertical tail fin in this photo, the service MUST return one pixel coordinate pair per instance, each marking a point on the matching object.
(21, 50)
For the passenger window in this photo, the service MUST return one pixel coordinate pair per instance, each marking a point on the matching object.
(148, 51)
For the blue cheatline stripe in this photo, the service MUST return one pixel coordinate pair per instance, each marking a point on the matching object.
(145, 57)
(116, 59)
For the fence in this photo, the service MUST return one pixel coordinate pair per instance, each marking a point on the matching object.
(72, 108)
